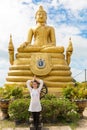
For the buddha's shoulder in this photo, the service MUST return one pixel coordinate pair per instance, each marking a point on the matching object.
(33, 29)
(50, 27)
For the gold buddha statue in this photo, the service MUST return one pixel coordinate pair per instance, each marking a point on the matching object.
(44, 36)
(41, 58)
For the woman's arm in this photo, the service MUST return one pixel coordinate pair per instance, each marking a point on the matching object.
(28, 85)
(39, 81)
(41, 85)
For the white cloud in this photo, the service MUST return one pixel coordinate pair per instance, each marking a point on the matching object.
(78, 74)
(74, 5)
(13, 21)
(64, 32)
(4, 63)
(80, 45)
(4, 66)
(70, 4)
(3, 74)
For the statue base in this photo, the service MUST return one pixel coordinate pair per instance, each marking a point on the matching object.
(51, 67)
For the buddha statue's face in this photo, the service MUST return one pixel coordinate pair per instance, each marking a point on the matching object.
(41, 17)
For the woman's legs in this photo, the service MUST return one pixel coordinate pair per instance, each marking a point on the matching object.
(37, 119)
(36, 116)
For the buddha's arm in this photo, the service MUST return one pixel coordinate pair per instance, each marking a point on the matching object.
(30, 35)
(29, 39)
(52, 36)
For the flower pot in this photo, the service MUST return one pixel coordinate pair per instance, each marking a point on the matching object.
(81, 106)
(4, 103)
(18, 122)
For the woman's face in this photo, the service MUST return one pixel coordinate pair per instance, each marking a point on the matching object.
(34, 85)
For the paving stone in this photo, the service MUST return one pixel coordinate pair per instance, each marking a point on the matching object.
(60, 128)
(84, 128)
(64, 128)
(22, 128)
(7, 129)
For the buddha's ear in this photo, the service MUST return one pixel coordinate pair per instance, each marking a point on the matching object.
(46, 16)
(35, 18)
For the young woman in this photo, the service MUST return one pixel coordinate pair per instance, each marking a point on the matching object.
(35, 87)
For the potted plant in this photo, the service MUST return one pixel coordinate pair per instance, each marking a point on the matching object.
(4, 102)
(77, 94)
(8, 94)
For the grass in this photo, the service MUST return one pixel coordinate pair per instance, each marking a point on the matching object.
(6, 124)
(11, 124)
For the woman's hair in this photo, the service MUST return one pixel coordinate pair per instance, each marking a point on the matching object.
(35, 82)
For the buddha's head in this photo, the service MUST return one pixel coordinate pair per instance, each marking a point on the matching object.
(41, 15)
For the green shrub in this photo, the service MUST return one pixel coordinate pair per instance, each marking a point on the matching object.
(67, 108)
(18, 109)
(50, 110)
(53, 109)
(10, 92)
(77, 92)
(49, 96)
(17, 92)
(5, 92)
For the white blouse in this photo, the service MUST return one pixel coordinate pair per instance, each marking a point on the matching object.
(35, 105)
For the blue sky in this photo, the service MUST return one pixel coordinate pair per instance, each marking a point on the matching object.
(68, 17)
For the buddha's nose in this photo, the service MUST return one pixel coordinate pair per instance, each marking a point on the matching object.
(41, 16)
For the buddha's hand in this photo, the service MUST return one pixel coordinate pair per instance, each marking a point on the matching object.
(23, 45)
(45, 46)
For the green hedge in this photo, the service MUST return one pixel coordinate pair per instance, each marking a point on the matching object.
(18, 110)
(56, 110)
(53, 110)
